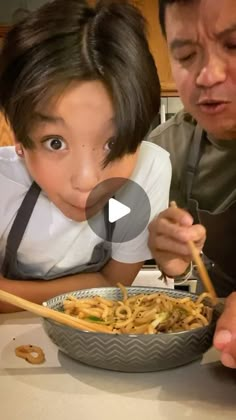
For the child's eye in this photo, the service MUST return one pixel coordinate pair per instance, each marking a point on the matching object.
(109, 145)
(55, 143)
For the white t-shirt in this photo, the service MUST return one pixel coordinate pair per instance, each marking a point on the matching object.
(52, 243)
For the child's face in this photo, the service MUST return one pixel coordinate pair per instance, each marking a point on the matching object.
(72, 137)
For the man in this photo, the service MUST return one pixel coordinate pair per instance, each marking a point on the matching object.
(201, 37)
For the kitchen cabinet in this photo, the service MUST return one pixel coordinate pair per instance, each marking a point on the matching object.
(6, 136)
(158, 46)
(3, 31)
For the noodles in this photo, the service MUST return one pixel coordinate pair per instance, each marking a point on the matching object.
(140, 314)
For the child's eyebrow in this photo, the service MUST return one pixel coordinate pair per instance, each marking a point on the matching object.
(47, 118)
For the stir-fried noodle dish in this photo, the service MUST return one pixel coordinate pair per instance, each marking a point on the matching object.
(140, 314)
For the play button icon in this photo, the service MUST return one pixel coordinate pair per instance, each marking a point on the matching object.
(117, 210)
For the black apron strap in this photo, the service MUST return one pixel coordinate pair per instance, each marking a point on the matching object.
(109, 226)
(220, 265)
(19, 225)
(9, 269)
(193, 160)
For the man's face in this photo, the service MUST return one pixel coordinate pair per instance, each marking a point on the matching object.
(201, 36)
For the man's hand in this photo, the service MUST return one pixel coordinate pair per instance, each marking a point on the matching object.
(169, 233)
(225, 334)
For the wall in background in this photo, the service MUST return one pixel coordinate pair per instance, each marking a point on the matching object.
(169, 107)
(172, 104)
(7, 8)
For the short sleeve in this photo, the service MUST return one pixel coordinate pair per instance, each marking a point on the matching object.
(154, 176)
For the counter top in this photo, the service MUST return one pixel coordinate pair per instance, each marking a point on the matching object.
(62, 388)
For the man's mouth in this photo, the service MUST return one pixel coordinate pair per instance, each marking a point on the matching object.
(212, 106)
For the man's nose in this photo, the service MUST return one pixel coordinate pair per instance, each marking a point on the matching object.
(212, 72)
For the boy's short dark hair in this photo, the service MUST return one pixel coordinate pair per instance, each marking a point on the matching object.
(65, 41)
(162, 11)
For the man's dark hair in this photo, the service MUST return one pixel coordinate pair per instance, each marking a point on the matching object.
(68, 40)
(162, 11)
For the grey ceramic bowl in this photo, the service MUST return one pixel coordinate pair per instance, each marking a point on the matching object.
(129, 353)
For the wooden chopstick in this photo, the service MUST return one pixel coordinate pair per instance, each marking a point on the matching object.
(45, 312)
(200, 265)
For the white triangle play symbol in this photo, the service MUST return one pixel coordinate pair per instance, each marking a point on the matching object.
(116, 210)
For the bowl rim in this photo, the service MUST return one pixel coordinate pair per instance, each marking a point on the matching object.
(160, 334)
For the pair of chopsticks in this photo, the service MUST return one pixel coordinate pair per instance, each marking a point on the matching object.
(200, 266)
(45, 312)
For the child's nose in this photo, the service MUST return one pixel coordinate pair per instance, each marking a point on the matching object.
(85, 175)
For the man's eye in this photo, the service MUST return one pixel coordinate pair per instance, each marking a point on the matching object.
(55, 144)
(186, 57)
(109, 145)
(231, 46)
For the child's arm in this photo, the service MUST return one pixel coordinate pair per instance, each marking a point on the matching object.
(40, 290)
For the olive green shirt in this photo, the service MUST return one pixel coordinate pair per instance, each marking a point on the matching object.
(214, 185)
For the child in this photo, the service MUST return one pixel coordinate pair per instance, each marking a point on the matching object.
(80, 90)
